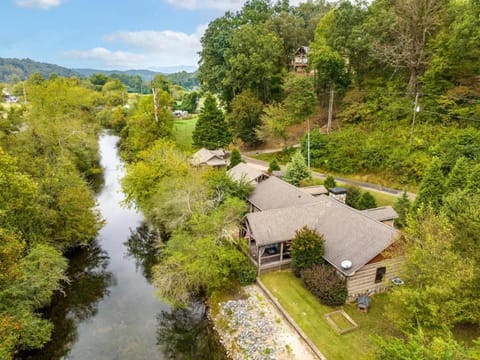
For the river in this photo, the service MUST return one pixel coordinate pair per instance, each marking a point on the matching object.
(108, 310)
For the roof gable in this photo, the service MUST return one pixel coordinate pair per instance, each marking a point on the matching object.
(244, 171)
(275, 193)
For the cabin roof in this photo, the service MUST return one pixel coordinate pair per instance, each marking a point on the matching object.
(203, 156)
(381, 213)
(244, 171)
(275, 193)
(349, 234)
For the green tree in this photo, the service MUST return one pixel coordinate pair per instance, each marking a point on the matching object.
(419, 345)
(275, 122)
(190, 102)
(211, 130)
(353, 195)
(366, 201)
(115, 92)
(254, 61)
(330, 182)
(245, 117)
(432, 297)
(235, 158)
(273, 166)
(318, 150)
(307, 249)
(432, 187)
(297, 170)
(458, 177)
(300, 100)
(402, 207)
(473, 182)
(142, 130)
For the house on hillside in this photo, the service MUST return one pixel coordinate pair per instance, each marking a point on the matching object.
(248, 173)
(356, 245)
(300, 60)
(214, 158)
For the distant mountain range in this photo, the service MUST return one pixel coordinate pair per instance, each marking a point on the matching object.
(12, 70)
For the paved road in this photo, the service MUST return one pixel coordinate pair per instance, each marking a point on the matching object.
(263, 165)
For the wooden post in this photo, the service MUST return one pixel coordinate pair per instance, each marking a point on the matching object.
(259, 259)
(330, 111)
(281, 255)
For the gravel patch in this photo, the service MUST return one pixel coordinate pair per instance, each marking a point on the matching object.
(252, 328)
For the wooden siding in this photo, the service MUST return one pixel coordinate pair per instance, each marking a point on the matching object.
(363, 280)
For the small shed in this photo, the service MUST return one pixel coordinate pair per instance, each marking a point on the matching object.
(300, 60)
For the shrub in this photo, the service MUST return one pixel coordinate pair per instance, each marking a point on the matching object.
(353, 195)
(307, 249)
(329, 182)
(324, 282)
(235, 158)
(366, 201)
(273, 166)
(245, 273)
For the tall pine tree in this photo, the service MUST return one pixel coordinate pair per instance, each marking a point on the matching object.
(211, 130)
(432, 187)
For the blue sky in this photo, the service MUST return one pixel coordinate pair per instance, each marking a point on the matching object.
(108, 34)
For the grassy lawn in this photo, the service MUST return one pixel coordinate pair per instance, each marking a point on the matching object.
(310, 316)
(182, 131)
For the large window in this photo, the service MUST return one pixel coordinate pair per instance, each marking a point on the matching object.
(380, 274)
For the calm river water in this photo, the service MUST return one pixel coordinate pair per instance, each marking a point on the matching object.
(109, 311)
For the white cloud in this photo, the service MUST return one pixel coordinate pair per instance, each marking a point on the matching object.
(215, 4)
(146, 49)
(42, 4)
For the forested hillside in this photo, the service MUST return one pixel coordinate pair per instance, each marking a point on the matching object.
(12, 70)
(379, 61)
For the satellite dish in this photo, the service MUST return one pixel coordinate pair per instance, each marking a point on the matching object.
(346, 264)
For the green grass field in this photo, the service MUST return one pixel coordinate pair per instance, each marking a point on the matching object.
(182, 131)
(309, 314)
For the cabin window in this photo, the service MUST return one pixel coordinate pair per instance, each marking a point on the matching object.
(380, 274)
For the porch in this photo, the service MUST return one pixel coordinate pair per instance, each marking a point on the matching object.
(271, 257)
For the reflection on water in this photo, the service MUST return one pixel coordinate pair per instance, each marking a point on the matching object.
(143, 246)
(187, 334)
(108, 309)
(78, 300)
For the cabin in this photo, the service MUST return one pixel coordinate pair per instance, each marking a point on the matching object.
(356, 245)
(212, 158)
(300, 60)
(384, 214)
(247, 173)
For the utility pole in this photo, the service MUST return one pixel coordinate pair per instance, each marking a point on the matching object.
(24, 93)
(330, 111)
(416, 109)
(308, 143)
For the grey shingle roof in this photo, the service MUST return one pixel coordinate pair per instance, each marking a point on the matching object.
(381, 213)
(315, 190)
(243, 171)
(349, 234)
(203, 156)
(275, 193)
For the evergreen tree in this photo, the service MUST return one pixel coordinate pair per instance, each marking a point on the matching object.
(273, 166)
(432, 187)
(235, 158)
(353, 195)
(211, 130)
(458, 177)
(307, 249)
(402, 207)
(473, 183)
(297, 170)
(329, 182)
(366, 201)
